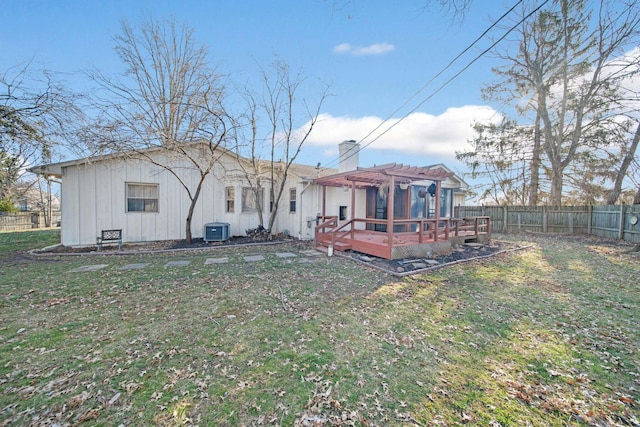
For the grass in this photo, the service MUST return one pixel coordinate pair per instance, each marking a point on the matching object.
(547, 336)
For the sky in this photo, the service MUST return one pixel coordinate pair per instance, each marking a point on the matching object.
(377, 57)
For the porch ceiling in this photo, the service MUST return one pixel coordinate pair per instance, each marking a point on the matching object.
(377, 175)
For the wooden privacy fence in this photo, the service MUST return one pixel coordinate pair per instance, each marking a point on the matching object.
(17, 221)
(612, 221)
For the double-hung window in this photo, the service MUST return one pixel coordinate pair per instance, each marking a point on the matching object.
(142, 197)
(292, 200)
(230, 193)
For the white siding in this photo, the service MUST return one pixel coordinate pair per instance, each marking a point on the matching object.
(94, 199)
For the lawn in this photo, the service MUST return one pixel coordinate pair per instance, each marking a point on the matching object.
(545, 336)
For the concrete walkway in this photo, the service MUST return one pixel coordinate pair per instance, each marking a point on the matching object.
(303, 256)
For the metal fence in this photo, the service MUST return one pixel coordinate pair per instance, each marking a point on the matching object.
(17, 221)
(612, 221)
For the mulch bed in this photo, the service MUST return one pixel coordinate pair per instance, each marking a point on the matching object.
(462, 253)
(170, 245)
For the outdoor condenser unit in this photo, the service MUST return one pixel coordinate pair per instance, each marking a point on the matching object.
(216, 232)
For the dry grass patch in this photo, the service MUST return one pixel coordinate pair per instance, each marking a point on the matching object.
(543, 337)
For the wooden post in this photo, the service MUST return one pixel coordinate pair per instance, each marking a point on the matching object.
(437, 212)
(390, 206)
(353, 207)
(504, 218)
(544, 219)
(621, 227)
(324, 202)
(446, 228)
(589, 218)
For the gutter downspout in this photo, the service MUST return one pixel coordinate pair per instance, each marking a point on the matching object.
(306, 185)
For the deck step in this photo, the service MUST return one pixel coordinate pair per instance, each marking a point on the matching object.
(322, 249)
(339, 246)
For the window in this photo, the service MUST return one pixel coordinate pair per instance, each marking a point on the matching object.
(292, 200)
(142, 197)
(230, 198)
(249, 202)
(343, 213)
(446, 202)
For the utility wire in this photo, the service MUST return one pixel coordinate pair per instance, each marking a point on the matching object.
(334, 162)
(446, 67)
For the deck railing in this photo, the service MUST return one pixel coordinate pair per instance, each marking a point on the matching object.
(428, 229)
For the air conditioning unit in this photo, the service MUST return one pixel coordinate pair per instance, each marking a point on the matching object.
(216, 232)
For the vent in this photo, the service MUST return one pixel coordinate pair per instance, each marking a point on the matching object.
(216, 232)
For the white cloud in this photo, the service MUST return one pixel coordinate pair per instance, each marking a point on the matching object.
(418, 134)
(342, 48)
(374, 49)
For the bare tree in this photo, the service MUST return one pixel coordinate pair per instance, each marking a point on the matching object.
(567, 67)
(169, 100)
(503, 156)
(38, 120)
(278, 123)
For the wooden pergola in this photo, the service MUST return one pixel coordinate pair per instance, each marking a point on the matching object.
(428, 235)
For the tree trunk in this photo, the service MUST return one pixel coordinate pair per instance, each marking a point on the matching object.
(535, 165)
(555, 197)
(628, 158)
(192, 207)
(187, 229)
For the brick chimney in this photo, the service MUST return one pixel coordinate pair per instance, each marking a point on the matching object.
(349, 155)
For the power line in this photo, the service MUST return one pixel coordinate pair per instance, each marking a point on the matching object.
(335, 162)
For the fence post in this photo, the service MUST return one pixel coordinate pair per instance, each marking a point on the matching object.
(589, 219)
(621, 228)
(504, 219)
(544, 219)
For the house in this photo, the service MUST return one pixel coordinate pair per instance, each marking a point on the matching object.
(148, 202)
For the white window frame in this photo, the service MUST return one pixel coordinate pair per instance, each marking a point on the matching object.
(293, 199)
(146, 199)
(230, 196)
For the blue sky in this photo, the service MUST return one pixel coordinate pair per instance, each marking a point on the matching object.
(374, 55)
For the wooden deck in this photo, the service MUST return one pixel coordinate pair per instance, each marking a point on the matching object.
(426, 240)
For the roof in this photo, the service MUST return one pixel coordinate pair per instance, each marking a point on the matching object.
(463, 183)
(306, 171)
(376, 175)
(55, 169)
